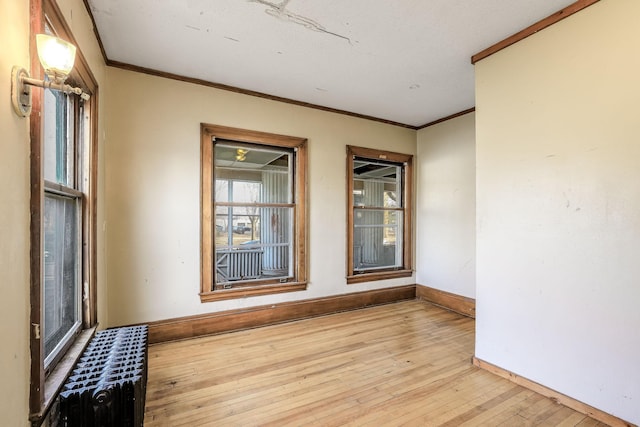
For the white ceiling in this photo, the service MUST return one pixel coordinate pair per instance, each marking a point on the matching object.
(406, 61)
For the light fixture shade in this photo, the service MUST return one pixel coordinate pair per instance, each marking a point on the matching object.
(56, 56)
(241, 155)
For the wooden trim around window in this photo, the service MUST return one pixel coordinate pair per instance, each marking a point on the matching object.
(407, 195)
(43, 389)
(378, 275)
(36, 395)
(58, 376)
(252, 291)
(532, 29)
(210, 132)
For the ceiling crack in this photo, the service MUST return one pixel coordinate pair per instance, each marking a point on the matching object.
(279, 10)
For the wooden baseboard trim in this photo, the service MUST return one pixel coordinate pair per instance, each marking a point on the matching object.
(557, 397)
(458, 303)
(253, 317)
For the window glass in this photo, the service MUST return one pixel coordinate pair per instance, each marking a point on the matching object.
(222, 190)
(62, 293)
(375, 184)
(253, 230)
(61, 297)
(379, 211)
(260, 174)
(246, 191)
(375, 239)
(255, 252)
(237, 226)
(59, 152)
(376, 236)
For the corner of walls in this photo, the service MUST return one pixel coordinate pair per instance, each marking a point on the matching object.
(445, 217)
(453, 302)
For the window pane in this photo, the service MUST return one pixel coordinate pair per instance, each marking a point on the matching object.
(248, 250)
(377, 239)
(237, 226)
(238, 191)
(391, 198)
(252, 242)
(255, 174)
(222, 190)
(245, 191)
(376, 184)
(276, 237)
(223, 222)
(275, 186)
(61, 302)
(59, 154)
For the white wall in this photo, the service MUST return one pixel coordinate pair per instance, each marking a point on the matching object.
(558, 207)
(153, 195)
(446, 206)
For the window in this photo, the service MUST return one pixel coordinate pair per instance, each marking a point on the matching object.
(253, 213)
(379, 215)
(63, 228)
(62, 220)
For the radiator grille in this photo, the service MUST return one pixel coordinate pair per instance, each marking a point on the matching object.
(108, 384)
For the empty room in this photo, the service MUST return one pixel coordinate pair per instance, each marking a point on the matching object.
(320, 213)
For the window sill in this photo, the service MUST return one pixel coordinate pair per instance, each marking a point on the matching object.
(54, 382)
(381, 275)
(244, 292)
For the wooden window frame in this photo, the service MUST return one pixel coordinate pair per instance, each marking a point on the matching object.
(208, 133)
(406, 160)
(45, 385)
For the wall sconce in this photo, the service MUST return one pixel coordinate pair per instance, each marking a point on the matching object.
(57, 57)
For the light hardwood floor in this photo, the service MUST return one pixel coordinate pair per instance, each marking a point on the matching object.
(407, 363)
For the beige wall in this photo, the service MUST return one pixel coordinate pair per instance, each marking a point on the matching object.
(152, 191)
(14, 222)
(446, 206)
(558, 202)
(14, 208)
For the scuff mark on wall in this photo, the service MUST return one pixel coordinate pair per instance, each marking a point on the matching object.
(279, 10)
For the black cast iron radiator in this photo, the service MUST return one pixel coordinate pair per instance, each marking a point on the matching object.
(108, 384)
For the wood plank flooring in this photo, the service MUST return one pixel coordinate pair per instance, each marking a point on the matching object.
(402, 364)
